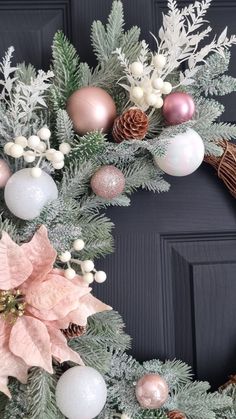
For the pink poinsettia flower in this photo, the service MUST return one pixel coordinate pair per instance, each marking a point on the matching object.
(36, 301)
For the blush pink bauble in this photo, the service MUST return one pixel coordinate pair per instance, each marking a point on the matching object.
(108, 182)
(151, 391)
(5, 173)
(178, 107)
(91, 108)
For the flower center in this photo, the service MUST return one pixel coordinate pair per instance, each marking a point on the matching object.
(12, 305)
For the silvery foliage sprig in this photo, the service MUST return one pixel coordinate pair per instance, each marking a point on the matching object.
(21, 100)
(179, 38)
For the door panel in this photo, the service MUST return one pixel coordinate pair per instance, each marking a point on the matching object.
(173, 274)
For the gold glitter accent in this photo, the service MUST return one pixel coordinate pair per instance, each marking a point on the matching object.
(12, 305)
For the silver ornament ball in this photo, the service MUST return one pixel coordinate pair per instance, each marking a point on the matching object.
(25, 195)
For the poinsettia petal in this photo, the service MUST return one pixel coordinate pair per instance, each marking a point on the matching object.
(49, 293)
(3, 386)
(29, 339)
(41, 253)
(15, 266)
(60, 350)
(10, 365)
(88, 305)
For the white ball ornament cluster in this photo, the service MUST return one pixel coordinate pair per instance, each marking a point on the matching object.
(146, 83)
(89, 273)
(81, 393)
(36, 148)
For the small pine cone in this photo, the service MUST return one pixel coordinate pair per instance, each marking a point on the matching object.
(74, 331)
(176, 414)
(131, 125)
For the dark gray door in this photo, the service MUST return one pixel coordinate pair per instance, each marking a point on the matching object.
(173, 276)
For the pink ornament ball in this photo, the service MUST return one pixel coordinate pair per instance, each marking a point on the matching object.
(5, 173)
(178, 107)
(91, 108)
(108, 182)
(151, 391)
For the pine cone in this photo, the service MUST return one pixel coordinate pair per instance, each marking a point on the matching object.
(176, 414)
(73, 331)
(131, 125)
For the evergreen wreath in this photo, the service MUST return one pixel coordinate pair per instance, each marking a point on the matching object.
(52, 230)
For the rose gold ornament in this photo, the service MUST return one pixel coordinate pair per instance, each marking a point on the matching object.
(91, 108)
(108, 182)
(5, 173)
(151, 391)
(178, 107)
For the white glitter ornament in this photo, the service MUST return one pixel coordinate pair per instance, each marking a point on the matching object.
(25, 195)
(81, 393)
(184, 154)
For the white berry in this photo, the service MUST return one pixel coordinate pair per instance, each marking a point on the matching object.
(16, 151)
(151, 99)
(137, 93)
(65, 148)
(124, 416)
(167, 87)
(136, 69)
(69, 273)
(100, 277)
(88, 277)
(159, 102)
(78, 245)
(157, 83)
(87, 265)
(49, 153)
(57, 157)
(33, 141)
(21, 140)
(58, 165)
(29, 156)
(65, 256)
(7, 147)
(44, 133)
(36, 172)
(41, 147)
(159, 61)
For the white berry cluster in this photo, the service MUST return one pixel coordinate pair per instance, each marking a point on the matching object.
(89, 273)
(146, 78)
(147, 91)
(35, 148)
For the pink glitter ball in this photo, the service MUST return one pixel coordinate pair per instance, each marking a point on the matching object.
(5, 173)
(178, 107)
(151, 391)
(108, 182)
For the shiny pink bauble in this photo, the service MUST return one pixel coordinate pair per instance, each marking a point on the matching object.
(91, 108)
(5, 173)
(178, 107)
(151, 391)
(108, 182)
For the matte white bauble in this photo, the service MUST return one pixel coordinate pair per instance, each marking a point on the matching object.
(184, 154)
(65, 148)
(21, 140)
(166, 88)
(44, 133)
(100, 277)
(159, 61)
(25, 195)
(78, 245)
(33, 141)
(69, 273)
(136, 69)
(88, 277)
(81, 393)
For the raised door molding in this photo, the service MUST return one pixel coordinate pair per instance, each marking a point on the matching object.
(199, 288)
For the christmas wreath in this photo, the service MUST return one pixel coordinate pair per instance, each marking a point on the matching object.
(75, 140)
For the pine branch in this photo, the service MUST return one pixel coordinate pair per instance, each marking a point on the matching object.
(41, 402)
(88, 146)
(66, 71)
(64, 127)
